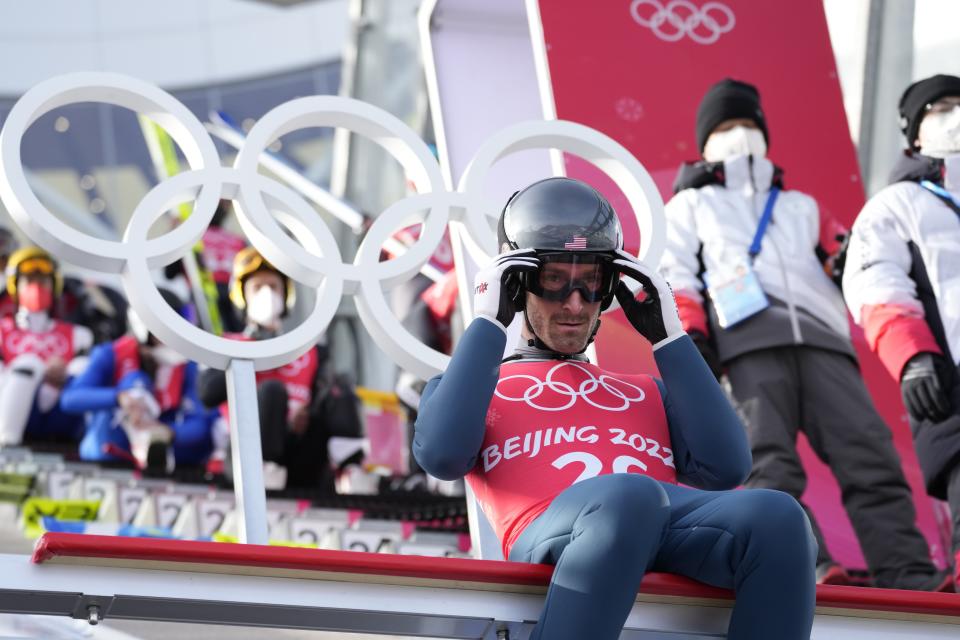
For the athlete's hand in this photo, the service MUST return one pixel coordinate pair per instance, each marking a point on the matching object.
(496, 286)
(55, 374)
(134, 408)
(923, 392)
(656, 318)
(300, 420)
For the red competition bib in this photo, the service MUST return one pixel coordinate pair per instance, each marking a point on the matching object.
(168, 385)
(552, 424)
(57, 342)
(297, 378)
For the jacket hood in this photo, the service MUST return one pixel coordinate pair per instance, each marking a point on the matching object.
(694, 175)
(914, 167)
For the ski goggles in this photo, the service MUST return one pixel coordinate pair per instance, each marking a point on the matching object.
(38, 266)
(562, 273)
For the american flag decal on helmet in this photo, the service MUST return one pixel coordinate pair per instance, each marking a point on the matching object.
(578, 242)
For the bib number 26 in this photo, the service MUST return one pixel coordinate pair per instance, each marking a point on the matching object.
(593, 466)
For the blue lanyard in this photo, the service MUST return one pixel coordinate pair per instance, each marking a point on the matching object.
(943, 193)
(762, 225)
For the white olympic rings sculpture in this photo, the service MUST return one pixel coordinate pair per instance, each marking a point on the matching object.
(584, 390)
(680, 18)
(267, 209)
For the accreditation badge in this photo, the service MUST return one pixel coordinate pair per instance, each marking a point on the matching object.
(736, 294)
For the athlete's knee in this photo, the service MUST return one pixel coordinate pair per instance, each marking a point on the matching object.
(27, 365)
(632, 500)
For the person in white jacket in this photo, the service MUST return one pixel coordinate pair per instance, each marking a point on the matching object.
(902, 281)
(744, 258)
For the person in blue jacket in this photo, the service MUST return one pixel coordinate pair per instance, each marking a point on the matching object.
(579, 467)
(140, 397)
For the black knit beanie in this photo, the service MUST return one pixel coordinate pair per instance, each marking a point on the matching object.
(726, 100)
(914, 101)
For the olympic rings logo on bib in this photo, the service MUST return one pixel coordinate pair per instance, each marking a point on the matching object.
(283, 226)
(45, 345)
(606, 392)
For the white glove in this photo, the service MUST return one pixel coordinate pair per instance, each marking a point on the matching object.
(656, 318)
(496, 289)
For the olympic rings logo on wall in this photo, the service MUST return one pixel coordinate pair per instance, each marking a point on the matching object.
(281, 224)
(612, 390)
(680, 18)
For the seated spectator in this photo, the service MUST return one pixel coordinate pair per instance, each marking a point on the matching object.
(141, 403)
(94, 305)
(302, 405)
(39, 354)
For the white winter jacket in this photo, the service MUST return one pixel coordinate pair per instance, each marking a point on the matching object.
(903, 233)
(722, 220)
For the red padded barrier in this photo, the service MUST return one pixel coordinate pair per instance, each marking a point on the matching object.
(52, 546)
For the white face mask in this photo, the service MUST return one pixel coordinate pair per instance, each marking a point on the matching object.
(939, 133)
(738, 141)
(265, 306)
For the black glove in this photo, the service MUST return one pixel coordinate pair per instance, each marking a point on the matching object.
(709, 354)
(922, 387)
(656, 318)
(495, 289)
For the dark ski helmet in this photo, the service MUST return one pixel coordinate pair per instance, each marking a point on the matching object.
(563, 220)
(560, 214)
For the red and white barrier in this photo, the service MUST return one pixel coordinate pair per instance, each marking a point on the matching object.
(99, 577)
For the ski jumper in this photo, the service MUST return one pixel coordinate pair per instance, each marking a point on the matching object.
(25, 354)
(577, 467)
(281, 393)
(115, 367)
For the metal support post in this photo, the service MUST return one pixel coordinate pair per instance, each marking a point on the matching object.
(246, 452)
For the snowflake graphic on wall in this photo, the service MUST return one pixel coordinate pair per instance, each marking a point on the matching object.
(629, 109)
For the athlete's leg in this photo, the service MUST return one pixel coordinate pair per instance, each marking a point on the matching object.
(601, 534)
(272, 402)
(21, 379)
(757, 542)
(55, 425)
